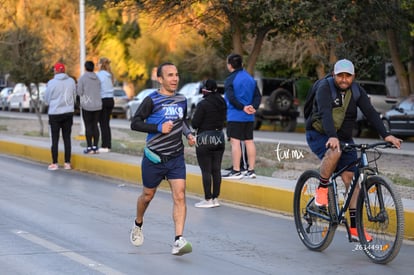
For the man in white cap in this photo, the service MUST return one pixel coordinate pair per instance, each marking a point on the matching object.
(324, 133)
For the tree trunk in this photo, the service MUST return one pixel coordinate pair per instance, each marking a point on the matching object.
(315, 52)
(39, 117)
(410, 67)
(237, 40)
(397, 63)
(254, 54)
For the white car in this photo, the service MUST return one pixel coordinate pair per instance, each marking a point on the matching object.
(133, 104)
(192, 91)
(4, 94)
(20, 98)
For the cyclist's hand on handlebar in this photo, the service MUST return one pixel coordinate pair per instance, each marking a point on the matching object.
(333, 143)
(395, 141)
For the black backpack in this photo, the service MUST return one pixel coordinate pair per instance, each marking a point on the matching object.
(310, 97)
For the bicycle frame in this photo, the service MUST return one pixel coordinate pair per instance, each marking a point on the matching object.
(361, 164)
(379, 216)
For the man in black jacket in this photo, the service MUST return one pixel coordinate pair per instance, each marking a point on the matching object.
(325, 143)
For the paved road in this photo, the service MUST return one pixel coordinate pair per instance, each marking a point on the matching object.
(65, 222)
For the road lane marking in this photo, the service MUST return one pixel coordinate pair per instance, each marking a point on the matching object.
(67, 253)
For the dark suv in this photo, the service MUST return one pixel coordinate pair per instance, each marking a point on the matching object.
(279, 103)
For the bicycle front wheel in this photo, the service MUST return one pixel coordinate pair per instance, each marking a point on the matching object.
(381, 214)
(314, 228)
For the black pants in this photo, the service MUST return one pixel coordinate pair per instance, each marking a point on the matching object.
(91, 119)
(62, 122)
(210, 165)
(106, 112)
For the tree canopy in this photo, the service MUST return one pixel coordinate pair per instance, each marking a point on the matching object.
(293, 38)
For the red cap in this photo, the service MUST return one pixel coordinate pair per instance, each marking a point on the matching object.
(59, 68)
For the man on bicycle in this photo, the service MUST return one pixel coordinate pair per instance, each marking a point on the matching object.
(331, 123)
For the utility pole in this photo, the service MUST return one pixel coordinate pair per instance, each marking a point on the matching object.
(82, 55)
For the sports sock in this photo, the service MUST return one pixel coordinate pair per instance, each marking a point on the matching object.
(138, 224)
(323, 182)
(352, 213)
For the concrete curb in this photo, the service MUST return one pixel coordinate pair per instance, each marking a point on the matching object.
(257, 193)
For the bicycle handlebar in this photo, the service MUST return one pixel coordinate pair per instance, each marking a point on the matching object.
(366, 146)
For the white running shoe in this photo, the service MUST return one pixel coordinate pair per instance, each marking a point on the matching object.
(216, 202)
(181, 247)
(104, 150)
(205, 204)
(136, 237)
(53, 167)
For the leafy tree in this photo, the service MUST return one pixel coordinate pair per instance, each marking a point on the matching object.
(25, 49)
(367, 32)
(112, 32)
(228, 25)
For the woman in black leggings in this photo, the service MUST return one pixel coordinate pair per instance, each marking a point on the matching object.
(107, 94)
(209, 121)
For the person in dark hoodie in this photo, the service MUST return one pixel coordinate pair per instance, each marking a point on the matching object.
(60, 96)
(89, 91)
(209, 120)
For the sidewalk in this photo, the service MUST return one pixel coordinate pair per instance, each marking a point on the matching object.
(263, 192)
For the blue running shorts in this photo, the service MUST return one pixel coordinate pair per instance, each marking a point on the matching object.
(153, 174)
(317, 141)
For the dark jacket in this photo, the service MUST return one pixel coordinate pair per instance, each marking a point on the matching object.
(325, 104)
(210, 113)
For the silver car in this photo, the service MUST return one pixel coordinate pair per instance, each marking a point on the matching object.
(120, 102)
(133, 105)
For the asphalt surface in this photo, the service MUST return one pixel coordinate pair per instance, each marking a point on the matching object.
(67, 222)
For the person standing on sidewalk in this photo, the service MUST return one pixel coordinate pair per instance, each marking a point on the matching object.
(89, 91)
(60, 96)
(162, 115)
(243, 98)
(208, 120)
(107, 94)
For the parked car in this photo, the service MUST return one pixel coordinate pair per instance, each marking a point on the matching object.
(192, 91)
(400, 120)
(279, 103)
(133, 104)
(120, 102)
(380, 98)
(19, 99)
(4, 94)
(43, 106)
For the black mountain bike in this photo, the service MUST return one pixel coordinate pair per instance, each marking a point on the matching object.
(379, 208)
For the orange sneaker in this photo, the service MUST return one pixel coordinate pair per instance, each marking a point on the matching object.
(321, 196)
(354, 234)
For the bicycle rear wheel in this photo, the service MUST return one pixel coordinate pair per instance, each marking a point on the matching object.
(315, 232)
(386, 222)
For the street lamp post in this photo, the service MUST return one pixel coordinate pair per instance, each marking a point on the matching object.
(82, 53)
